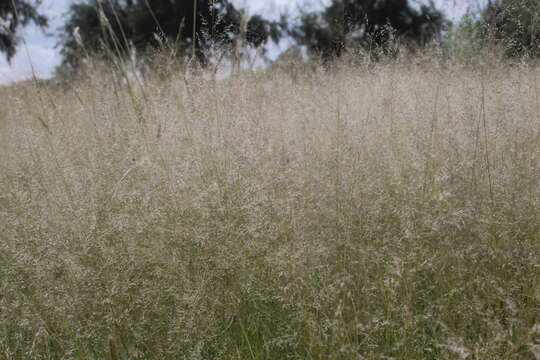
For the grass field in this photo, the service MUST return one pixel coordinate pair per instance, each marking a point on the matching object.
(387, 211)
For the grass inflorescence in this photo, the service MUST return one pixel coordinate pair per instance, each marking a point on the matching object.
(373, 211)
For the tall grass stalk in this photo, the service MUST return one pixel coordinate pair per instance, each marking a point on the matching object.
(194, 40)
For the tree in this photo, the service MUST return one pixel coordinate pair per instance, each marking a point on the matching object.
(514, 24)
(93, 27)
(15, 14)
(148, 24)
(366, 23)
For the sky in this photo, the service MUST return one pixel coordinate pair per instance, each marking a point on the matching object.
(38, 52)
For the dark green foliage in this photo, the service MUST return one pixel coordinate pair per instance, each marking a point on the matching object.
(348, 24)
(515, 24)
(149, 24)
(84, 19)
(15, 14)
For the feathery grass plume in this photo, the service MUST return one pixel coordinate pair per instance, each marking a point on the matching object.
(194, 34)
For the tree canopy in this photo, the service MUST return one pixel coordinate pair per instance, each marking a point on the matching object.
(147, 24)
(96, 25)
(15, 14)
(365, 23)
(514, 24)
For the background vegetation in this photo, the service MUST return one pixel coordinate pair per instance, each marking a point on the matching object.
(15, 14)
(200, 26)
(211, 29)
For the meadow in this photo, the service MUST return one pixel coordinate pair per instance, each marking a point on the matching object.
(370, 211)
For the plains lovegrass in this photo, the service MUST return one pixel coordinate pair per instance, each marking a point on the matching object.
(365, 212)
